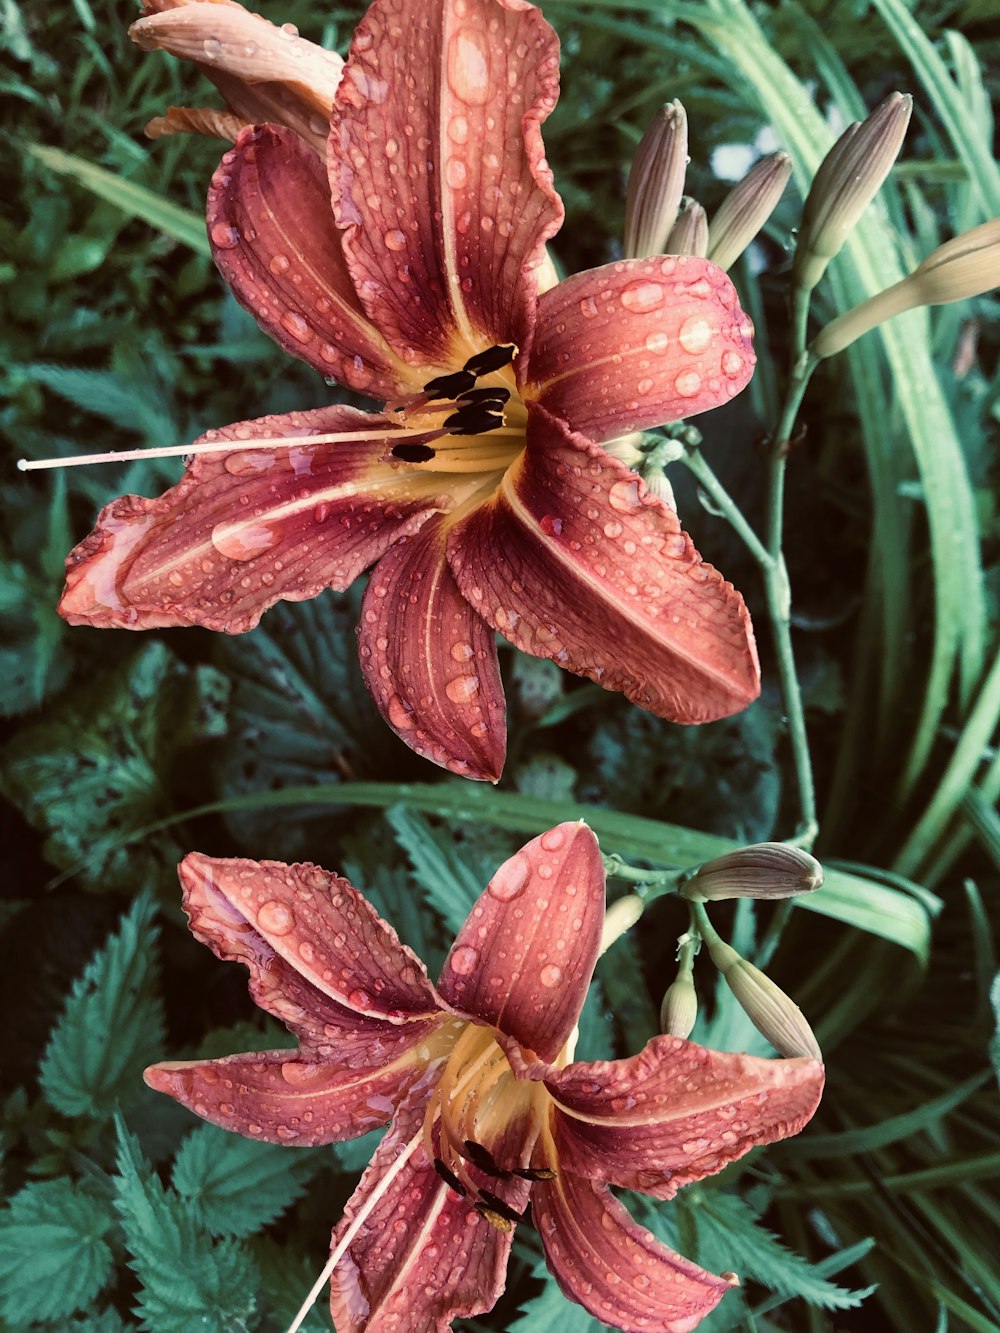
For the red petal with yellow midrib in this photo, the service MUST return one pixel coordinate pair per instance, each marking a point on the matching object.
(575, 561)
(431, 662)
(246, 528)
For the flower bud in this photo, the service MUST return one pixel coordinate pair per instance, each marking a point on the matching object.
(689, 234)
(265, 73)
(656, 183)
(965, 266)
(848, 179)
(767, 1006)
(620, 917)
(746, 208)
(679, 1008)
(763, 870)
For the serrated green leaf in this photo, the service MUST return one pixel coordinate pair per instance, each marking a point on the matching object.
(440, 871)
(285, 1280)
(136, 200)
(187, 1280)
(550, 1309)
(730, 1237)
(53, 1258)
(235, 1186)
(112, 1024)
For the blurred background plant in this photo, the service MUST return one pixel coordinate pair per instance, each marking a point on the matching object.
(120, 755)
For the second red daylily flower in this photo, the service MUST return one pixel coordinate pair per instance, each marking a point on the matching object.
(488, 1113)
(481, 493)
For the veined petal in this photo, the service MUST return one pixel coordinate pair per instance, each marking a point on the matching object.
(523, 960)
(675, 1112)
(244, 529)
(438, 170)
(615, 1268)
(424, 1256)
(431, 662)
(264, 72)
(318, 923)
(574, 560)
(637, 343)
(284, 1097)
(275, 243)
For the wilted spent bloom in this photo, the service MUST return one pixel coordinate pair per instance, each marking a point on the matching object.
(656, 183)
(965, 266)
(768, 1008)
(762, 870)
(264, 72)
(746, 208)
(848, 179)
(689, 234)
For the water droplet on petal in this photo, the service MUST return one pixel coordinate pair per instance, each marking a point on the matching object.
(395, 239)
(456, 173)
(588, 307)
(641, 297)
(657, 342)
(243, 541)
(224, 236)
(509, 881)
(468, 67)
(212, 48)
(300, 329)
(275, 918)
(359, 999)
(550, 976)
(298, 1072)
(463, 960)
(462, 689)
(398, 713)
(624, 496)
(462, 651)
(248, 462)
(279, 264)
(687, 383)
(696, 334)
(553, 840)
(732, 364)
(613, 529)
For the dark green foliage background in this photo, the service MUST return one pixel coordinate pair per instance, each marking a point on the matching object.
(122, 1211)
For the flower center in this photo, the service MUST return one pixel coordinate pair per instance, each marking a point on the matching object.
(481, 1116)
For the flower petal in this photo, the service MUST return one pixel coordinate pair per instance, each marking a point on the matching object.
(264, 72)
(317, 922)
(438, 170)
(615, 1268)
(574, 560)
(283, 1097)
(244, 529)
(275, 243)
(676, 1112)
(524, 958)
(640, 342)
(423, 1256)
(431, 662)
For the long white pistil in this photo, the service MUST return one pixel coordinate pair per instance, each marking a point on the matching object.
(369, 1206)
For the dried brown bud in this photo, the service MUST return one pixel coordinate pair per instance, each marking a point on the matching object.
(965, 266)
(763, 870)
(848, 179)
(769, 1009)
(746, 208)
(689, 234)
(656, 183)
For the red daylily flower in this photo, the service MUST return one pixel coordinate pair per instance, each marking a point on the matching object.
(481, 493)
(488, 1114)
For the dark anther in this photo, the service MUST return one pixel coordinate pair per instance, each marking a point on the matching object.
(494, 1218)
(494, 358)
(449, 386)
(483, 396)
(535, 1173)
(475, 419)
(449, 1177)
(497, 1205)
(412, 453)
(483, 1158)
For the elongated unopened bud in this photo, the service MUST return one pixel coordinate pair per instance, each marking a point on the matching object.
(762, 870)
(620, 917)
(656, 183)
(848, 179)
(265, 73)
(769, 1009)
(689, 234)
(679, 1009)
(965, 266)
(746, 208)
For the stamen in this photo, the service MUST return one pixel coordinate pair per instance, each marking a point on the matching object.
(213, 447)
(483, 1158)
(497, 1205)
(494, 358)
(535, 1172)
(494, 1218)
(450, 386)
(412, 453)
(449, 1178)
(475, 419)
(498, 395)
